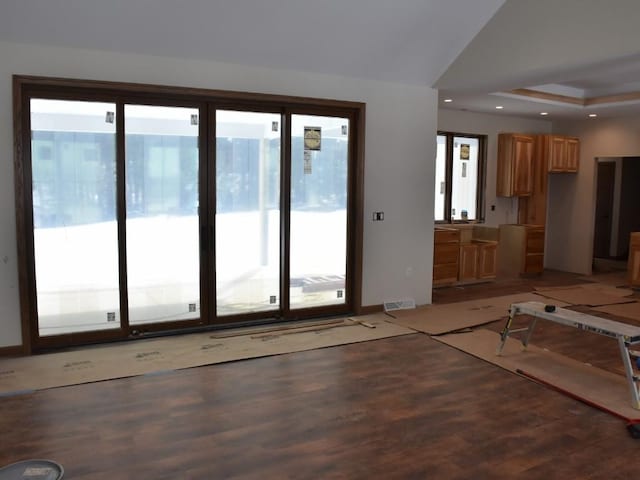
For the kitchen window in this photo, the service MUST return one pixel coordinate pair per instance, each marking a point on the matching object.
(460, 174)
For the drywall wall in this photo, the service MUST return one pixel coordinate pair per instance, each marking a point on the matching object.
(506, 210)
(399, 168)
(572, 197)
(545, 41)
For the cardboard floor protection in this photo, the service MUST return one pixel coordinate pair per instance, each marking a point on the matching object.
(616, 279)
(183, 351)
(605, 390)
(589, 294)
(449, 317)
(626, 310)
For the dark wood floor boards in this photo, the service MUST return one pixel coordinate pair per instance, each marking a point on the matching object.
(406, 407)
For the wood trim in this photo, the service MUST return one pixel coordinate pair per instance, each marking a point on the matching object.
(526, 92)
(357, 225)
(194, 94)
(13, 351)
(583, 102)
(369, 309)
(20, 211)
(619, 98)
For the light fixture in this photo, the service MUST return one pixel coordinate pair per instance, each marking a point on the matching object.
(593, 115)
(448, 100)
(499, 107)
(544, 113)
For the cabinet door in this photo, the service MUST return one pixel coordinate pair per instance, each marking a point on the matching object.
(522, 165)
(557, 154)
(468, 262)
(515, 165)
(573, 154)
(487, 260)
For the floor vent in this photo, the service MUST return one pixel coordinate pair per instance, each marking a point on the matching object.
(399, 305)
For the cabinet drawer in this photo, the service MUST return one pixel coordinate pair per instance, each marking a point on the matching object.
(445, 253)
(447, 273)
(535, 241)
(446, 236)
(533, 263)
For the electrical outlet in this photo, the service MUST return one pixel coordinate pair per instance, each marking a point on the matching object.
(378, 216)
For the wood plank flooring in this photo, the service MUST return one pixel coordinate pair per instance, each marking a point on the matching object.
(399, 408)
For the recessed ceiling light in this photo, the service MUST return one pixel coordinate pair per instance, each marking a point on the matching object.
(499, 107)
(593, 115)
(544, 113)
(448, 100)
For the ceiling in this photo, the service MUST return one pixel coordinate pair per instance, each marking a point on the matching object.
(567, 58)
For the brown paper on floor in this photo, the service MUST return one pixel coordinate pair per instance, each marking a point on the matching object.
(183, 351)
(608, 391)
(591, 296)
(626, 310)
(591, 287)
(449, 317)
(616, 279)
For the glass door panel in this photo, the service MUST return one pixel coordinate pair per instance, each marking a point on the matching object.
(318, 232)
(163, 244)
(464, 184)
(247, 220)
(73, 162)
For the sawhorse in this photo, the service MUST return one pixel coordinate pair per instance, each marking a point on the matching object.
(626, 335)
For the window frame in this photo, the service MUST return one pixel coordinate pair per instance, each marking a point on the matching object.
(480, 181)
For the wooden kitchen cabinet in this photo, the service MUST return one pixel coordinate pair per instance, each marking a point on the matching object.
(521, 249)
(562, 153)
(445, 256)
(487, 259)
(515, 165)
(633, 265)
(468, 269)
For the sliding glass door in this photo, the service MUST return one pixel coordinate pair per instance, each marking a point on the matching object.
(319, 192)
(247, 221)
(75, 233)
(162, 228)
(146, 214)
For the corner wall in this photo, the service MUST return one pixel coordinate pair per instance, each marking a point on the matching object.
(572, 198)
(400, 149)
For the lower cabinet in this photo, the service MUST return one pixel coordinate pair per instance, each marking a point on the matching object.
(461, 258)
(468, 262)
(487, 260)
(478, 261)
(633, 265)
(521, 249)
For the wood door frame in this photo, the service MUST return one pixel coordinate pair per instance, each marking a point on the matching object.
(26, 87)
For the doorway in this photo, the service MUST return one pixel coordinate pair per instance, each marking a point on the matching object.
(617, 211)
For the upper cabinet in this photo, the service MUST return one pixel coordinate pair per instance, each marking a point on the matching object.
(562, 153)
(515, 165)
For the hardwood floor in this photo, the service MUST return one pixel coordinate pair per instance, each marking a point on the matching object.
(404, 407)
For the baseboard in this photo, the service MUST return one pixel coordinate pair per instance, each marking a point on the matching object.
(369, 309)
(15, 351)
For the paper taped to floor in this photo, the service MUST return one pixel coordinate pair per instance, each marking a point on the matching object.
(606, 390)
(183, 351)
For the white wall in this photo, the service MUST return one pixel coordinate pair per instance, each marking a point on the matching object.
(399, 166)
(485, 124)
(572, 198)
